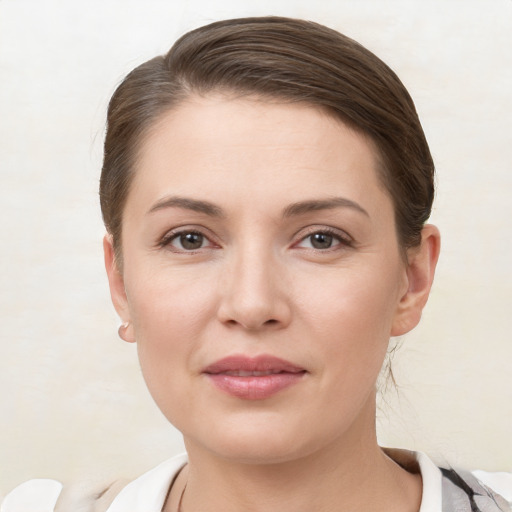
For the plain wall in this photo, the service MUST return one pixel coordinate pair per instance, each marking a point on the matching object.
(73, 401)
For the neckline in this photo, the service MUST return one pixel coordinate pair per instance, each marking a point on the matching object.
(148, 493)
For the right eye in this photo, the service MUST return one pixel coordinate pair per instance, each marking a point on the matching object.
(186, 241)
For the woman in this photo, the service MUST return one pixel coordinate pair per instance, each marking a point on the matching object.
(265, 190)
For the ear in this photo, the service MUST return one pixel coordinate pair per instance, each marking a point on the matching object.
(117, 290)
(421, 266)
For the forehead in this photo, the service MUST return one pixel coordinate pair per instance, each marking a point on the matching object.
(220, 146)
(201, 127)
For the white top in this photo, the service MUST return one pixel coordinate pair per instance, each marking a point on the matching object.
(148, 492)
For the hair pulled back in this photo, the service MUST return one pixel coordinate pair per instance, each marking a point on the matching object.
(276, 58)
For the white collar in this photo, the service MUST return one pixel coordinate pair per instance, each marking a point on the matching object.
(148, 492)
(431, 496)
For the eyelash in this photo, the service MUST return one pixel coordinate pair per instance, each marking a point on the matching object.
(169, 237)
(341, 238)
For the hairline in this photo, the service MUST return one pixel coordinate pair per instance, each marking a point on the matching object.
(232, 93)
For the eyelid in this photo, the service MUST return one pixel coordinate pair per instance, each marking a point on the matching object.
(344, 238)
(171, 234)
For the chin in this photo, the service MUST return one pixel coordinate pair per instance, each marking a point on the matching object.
(258, 442)
(258, 453)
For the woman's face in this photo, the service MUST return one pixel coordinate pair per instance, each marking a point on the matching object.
(261, 276)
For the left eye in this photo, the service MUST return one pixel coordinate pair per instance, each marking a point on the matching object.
(188, 241)
(322, 240)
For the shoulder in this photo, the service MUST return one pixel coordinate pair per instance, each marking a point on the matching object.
(45, 495)
(478, 491)
(454, 490)
(38, 495)
(144, 494)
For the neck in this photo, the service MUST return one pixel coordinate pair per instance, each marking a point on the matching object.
(352, 473)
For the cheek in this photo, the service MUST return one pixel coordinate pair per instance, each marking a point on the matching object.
(354, 302)
(170, 314)
(168, 306)
(350, 313)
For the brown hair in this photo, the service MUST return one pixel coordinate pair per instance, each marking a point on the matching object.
(286, 59)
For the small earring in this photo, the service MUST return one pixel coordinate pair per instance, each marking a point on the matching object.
(122, 330)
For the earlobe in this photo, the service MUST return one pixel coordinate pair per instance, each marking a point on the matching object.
(420, 271)
(125, 332)
(117, 290)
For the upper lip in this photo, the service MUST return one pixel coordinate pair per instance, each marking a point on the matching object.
(262, 363)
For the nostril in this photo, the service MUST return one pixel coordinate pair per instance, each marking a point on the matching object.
(267, 324)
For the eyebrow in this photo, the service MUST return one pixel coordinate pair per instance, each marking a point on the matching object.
(188, 204)
(303, 207)
(294, 209)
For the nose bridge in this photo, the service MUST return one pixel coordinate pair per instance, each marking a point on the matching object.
(253, 295)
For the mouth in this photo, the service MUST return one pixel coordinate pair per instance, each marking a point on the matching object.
(242, 373)
(253, 378)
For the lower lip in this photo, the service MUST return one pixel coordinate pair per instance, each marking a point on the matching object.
(255, 387)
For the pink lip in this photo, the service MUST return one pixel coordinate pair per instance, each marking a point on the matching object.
(269, 375)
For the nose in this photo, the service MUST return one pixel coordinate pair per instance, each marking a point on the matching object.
(254, 293)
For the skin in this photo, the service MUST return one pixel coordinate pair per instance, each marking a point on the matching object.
(256, 283)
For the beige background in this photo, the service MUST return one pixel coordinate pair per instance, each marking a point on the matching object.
(72, 399)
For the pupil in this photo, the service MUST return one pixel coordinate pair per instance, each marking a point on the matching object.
(191, 240)
(321, 241)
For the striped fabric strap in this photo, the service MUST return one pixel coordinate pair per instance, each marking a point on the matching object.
(462, 492)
